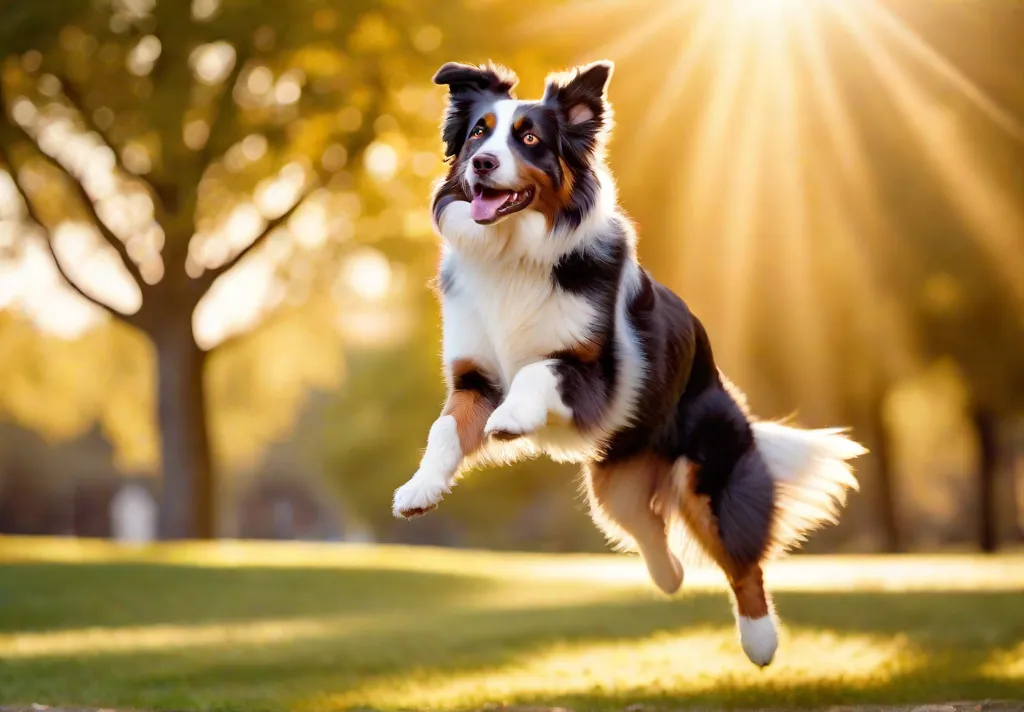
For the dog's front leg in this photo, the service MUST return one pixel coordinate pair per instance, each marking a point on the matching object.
(535, 394)
(456, 434)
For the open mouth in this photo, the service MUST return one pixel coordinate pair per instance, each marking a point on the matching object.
(489, 204)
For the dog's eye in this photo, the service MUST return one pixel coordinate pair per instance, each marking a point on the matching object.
(477, 132)
(530, 139)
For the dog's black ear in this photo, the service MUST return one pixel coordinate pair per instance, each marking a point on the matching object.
(581, 99)
(461, 78)
(468, 84)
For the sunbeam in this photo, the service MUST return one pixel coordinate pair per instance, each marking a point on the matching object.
(980, 201)
(849, 197)
(753, 140)
(636, 38)
(940, 66)
(786, 152)
(676, 82)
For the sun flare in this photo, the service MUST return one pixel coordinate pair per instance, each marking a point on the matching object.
(763, 120)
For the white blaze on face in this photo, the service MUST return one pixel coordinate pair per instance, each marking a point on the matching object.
(499, 145)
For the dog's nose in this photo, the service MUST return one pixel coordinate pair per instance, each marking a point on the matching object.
(484, 163)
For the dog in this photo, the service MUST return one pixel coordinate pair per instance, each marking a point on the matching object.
(556, 341)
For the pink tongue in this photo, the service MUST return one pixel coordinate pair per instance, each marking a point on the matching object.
(486, 208)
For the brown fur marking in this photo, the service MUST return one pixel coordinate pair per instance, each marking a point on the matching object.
(620, 497)
(700, 520)
(587, 351)
(568, 180)
(470, 408)
(471, 411)
(751, 599)
(549, 200)
(747, 582)
(459, 368)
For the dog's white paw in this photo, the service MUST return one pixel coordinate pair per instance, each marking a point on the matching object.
(516, 417)
(418, 496)
(758, 638)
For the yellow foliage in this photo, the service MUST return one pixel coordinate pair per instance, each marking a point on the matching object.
(372, 34)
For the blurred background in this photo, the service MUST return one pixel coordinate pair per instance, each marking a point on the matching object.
(215, 249)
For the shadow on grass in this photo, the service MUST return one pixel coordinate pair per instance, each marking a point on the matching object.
(379, 625)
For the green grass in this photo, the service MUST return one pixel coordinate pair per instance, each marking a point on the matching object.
(318, 627)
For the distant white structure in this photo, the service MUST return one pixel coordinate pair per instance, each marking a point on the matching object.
(133, 515)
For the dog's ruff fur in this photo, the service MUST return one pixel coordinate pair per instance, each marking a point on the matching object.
(557, 341)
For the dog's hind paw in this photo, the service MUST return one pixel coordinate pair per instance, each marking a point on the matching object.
(758, 638)
(417, 497)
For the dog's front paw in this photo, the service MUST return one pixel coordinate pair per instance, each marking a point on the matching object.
(515, 418)
(418, 496)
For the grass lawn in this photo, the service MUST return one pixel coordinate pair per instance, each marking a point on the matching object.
(319, 627)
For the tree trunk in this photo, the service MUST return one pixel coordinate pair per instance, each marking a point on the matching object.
(187, 504)
(985, 423)
(880, 450)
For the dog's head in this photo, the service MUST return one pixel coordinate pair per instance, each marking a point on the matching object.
(509, 155)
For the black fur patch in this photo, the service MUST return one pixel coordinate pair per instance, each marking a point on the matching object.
(587, 386)
(745, 509)
(666, 331)
(594, 272)
(588, 375)
(476, 380)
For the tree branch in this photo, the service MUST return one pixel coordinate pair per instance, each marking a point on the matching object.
(208, 277)
(358, 143)
(87, 202)
(75, 99)
(131, 319)
(224, 115)
(159, 193)
(266, 317)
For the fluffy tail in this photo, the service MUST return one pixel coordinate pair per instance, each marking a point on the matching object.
(812, 474)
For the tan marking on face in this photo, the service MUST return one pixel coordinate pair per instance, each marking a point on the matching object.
(548, 200)
(518, 124)
(469, 408)
(565, 192)
(490, 121)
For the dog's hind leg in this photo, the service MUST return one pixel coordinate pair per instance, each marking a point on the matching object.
(621, 504)
(752, 604)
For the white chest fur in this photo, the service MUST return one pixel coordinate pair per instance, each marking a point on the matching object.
(507, 318)
(504, 312)
(504, 309)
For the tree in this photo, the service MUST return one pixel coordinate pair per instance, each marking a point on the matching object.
(187, 136)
